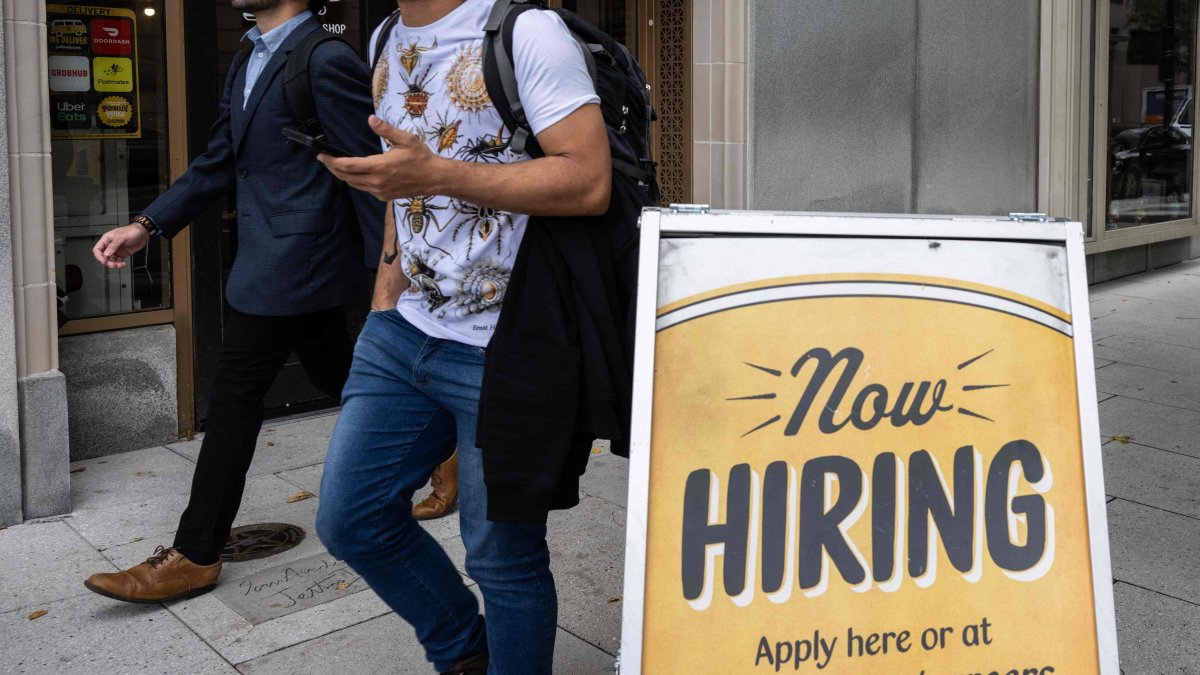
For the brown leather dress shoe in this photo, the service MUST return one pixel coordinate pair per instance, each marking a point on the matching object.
(475, 665)
(445, 491)
(166, 575)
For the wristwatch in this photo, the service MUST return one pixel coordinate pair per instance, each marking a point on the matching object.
(147, 224)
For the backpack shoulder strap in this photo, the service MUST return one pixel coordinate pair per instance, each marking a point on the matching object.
(385, 31)
(499, 73)
(297, 85)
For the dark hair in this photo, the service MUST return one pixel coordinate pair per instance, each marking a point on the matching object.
(315, 6)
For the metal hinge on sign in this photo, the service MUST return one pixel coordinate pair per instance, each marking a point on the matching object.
(689, 208)
(1030, 218)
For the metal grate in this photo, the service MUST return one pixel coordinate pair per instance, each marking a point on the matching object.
(251, 542)
(673, 101)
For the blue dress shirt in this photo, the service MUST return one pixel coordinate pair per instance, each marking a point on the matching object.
(265, 45)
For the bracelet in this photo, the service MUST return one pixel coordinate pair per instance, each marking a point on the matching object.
(147, 224)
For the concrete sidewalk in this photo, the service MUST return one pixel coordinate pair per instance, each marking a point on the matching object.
(1147, 332)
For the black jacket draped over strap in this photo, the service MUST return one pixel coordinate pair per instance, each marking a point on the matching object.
(558, 372)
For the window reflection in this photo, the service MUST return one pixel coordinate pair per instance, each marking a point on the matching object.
(1152, 77)
(615, 17)
(108, 129)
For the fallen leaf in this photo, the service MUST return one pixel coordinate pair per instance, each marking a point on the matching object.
(37, 615)
(270, 444)
(596, 451)
(190, 434)
(300, 496)
(342, 586)
(1123, 440)
(615, 598)
(79, 470)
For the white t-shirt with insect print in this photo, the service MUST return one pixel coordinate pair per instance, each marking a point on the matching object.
(429, 82)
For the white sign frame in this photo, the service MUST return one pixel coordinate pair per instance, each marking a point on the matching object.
(659, 223)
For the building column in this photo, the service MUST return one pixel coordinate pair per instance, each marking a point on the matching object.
(44, 450)
(719, 102)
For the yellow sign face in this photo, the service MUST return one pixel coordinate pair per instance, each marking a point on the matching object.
(883, 482)
(112, 74)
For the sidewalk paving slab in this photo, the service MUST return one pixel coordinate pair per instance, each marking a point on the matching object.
(1148, 384)
(1164, 480)
(607, 478)
(1165, 329)
(1100, 291)
(587, 556)
(237, 640)
(45, 562)
(1156, 633)
(1151, 424)
(388, 645)
(282, 446)
(1154, 549)
(305, 478)
(129, 477)
(1172, 358)
(153, 518)
(289, 588)
(90, 634)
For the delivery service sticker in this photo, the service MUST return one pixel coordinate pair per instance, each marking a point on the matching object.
(866, 473)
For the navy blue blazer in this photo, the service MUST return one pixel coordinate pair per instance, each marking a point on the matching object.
(298, 248)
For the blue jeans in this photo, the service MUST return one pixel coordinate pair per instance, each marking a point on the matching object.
(408, 397)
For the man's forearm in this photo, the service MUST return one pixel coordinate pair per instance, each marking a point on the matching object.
(390, 280)
(548, 186)
(573, 179)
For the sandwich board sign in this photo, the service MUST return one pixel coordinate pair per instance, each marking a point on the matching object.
(864, 444)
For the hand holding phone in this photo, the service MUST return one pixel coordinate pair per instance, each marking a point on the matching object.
(317, 143)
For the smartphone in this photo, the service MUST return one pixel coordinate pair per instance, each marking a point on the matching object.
(314, 142)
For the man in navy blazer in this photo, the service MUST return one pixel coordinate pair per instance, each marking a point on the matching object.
(305, 241)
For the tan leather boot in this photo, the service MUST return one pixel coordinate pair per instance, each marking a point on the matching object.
(166, 575)
(445, 491)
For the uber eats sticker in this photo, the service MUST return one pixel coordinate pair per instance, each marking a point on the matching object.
(93, 72)
(867, 473)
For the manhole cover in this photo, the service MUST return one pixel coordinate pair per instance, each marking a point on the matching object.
(251, 542)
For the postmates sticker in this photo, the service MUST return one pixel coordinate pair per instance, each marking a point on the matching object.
(112, 74)
(883, 483)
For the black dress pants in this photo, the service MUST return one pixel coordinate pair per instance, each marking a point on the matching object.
(253, 351)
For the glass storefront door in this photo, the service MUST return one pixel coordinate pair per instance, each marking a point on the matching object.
(214, 236)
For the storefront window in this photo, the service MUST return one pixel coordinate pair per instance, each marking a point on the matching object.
(1152, 76)
(615, 17)
(108, 126)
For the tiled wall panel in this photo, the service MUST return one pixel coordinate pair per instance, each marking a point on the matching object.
(719, 103)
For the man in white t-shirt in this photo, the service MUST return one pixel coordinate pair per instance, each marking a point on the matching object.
(460, 201)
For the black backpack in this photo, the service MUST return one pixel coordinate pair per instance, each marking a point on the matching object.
(619, 80)
(297, 87)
